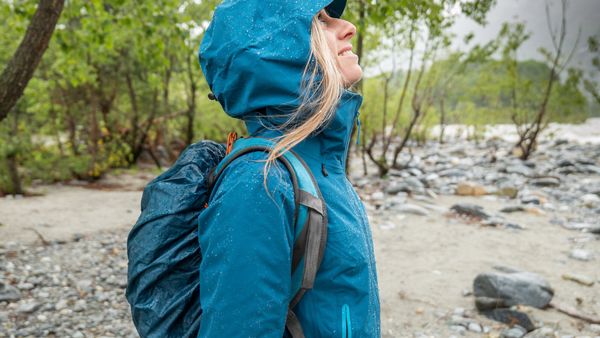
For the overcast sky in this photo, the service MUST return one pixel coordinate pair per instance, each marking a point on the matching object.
(584, 14)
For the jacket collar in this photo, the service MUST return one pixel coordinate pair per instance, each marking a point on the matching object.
(328, 147)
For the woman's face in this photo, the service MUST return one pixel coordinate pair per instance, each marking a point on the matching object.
(338, 33)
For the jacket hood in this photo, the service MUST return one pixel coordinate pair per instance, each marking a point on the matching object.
(253, 55)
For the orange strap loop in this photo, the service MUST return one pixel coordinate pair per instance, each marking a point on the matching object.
(230, 140)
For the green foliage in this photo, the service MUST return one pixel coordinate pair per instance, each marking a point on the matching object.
(121, 78)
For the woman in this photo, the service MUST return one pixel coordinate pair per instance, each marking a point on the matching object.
(283, 67)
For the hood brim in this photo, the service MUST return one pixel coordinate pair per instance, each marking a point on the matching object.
(336, 8)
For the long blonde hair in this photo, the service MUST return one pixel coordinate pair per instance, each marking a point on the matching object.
(319, 97)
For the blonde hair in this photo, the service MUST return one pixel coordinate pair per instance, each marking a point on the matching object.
(319, 96)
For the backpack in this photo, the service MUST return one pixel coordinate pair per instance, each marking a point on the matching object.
(163, 280)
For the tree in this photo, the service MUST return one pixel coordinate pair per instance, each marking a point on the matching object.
(591, 86)
(529, 129)
(419, 27)
(20, 68)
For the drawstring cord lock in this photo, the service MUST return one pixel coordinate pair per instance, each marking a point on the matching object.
(231, 138)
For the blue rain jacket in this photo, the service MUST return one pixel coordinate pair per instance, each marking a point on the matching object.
(253, 55)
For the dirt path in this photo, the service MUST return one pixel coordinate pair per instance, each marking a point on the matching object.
(425, 263)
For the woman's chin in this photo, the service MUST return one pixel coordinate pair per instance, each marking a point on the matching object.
(352, 75)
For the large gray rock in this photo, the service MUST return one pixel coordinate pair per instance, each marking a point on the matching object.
(514, 288)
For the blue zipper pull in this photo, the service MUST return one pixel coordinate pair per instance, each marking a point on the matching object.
(358, 126)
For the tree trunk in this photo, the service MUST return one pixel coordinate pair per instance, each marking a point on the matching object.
(12, 161)
(442, 118)
(20, 68)
(191, 112)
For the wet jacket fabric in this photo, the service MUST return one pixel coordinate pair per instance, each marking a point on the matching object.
(253, 55)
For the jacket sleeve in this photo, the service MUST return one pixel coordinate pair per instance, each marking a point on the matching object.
(246, 240)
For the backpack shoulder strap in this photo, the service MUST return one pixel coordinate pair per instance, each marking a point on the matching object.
(310, 218)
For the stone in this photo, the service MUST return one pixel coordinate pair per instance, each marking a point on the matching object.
(515, 332)
(543, 332)
(459, 311)
(577, 278)
(467, 188)
(387, 226)
(395, 188)
(510, 317)
(452, 172)
(61, 304)
(519, 169)
(595, 328)
(25, 286)
(590, 200)
(84, 284)
(377, 196)
(474, 327)
(514, 288)
(564, 163)
(470, 210)
(530, 199)
(413, 209)
(80, 305)
(512, 208)
(78, 334)
(8, 293)
(537, 211)
(29, 307)
(545, 182)
(483, 303)
(3, 317)
(576, 226)
(581, 255)
(507, 191)
(458, 328)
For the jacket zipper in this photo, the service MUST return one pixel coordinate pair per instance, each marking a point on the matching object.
(346, 323)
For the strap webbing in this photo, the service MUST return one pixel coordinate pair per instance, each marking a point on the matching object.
(293, 325)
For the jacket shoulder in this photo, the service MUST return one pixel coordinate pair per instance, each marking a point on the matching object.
(247, 172)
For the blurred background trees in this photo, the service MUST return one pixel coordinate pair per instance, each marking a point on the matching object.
(120, 84)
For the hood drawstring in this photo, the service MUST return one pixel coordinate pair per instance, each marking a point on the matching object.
(323, 170)
(358, 126)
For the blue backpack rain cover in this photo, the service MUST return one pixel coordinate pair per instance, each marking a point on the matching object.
(163, 287)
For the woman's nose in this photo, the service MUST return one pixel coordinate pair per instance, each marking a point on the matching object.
(346, 30)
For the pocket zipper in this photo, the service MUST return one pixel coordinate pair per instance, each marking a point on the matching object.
(346, 323)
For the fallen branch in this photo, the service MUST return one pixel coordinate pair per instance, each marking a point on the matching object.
(568, 310)
(44, 241)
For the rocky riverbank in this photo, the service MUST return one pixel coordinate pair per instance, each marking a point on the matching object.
(456, 212)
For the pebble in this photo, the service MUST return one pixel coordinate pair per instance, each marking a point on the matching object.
(8, 293)
(61, 304)
(581, 255)
(581, 279)
(474, 327)
(413, 209)
(515, 332)
(28, 307)
(590, 200)
(82, 298)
